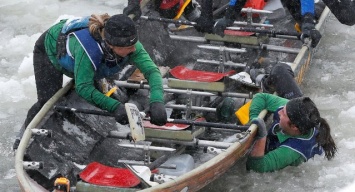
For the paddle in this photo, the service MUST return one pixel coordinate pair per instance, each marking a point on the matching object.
(209, 124)
(184, 73)
(99, 174)
(137, 115)
(143, 173)
(137, 129)
(135, 122)
(271, 32)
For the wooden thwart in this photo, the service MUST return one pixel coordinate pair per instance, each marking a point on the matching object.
(180, 135)
(232, 38)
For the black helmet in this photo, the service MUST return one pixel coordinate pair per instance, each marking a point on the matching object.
(120, 31)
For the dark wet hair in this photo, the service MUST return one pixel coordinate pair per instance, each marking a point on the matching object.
(304, 114)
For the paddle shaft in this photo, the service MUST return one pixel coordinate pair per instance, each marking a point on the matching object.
(209, 124)
(194, 143)
(271, 32)
(162, 159)
(177, 121)
(85, 111)
(165, 20)
(246, 29)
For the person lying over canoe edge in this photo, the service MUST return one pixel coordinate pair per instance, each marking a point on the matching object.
(88, 49)
(280, 79)
(302, 11)
(171, 9)
(174, 9)
(297, 133)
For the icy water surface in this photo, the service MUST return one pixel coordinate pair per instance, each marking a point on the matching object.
(329, 82)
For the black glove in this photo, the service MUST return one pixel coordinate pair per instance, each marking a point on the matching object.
(204, 25)
(221, 25)
(261, 128)
(133, 8)
(157, 113)
(121, 114)
(205, 21)
(309, 30)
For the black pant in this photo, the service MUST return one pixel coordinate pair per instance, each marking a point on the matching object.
(282, 79)
(48, 79)
(294, 7)
(342, 10)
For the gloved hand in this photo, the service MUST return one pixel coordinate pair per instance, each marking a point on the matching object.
(121, 114)
(133, 8)
(204, 25)
(262, 132)
(221, 25)
(158, 114)
(309, 30)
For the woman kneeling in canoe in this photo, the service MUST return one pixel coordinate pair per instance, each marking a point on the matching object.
(296, 135)
(88, 49)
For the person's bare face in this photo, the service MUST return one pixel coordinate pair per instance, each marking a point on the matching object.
(123, 51)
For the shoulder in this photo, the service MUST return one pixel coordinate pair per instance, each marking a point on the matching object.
(56, 28)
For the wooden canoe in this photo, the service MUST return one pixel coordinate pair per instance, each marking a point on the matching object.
(193, 180)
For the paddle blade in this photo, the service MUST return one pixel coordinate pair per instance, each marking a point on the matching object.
(243, 113)
(143, 173)
(98, 174)
(184, 73)
(167, 126)
(135, 122)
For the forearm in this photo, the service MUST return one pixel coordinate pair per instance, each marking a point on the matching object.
(156, 87)
(84, 84)
(150, 71)
(258, 149)
(266, 101)
(274, 160)
(95, 97)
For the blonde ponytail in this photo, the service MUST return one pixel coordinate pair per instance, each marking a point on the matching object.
(96, 25)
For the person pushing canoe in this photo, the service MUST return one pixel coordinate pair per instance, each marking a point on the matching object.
(88, 49)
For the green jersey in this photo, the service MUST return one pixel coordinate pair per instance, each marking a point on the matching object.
(84, 71)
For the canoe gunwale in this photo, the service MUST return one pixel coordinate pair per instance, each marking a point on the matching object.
(22, 177)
